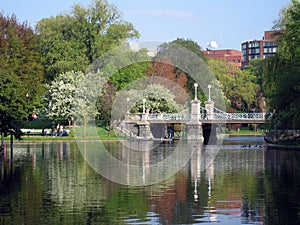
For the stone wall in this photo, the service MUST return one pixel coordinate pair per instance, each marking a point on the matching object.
(288, 137)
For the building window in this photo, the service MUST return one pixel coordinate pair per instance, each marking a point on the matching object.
(270, 50)
(254, 51)
(270, 44)
(254, 44)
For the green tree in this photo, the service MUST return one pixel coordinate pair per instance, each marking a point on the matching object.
(190, 45)
(136, 65)
(166, 53)
(237, 85)
(256, 67)
(21, 73)
(74, 41)
(282, 73)
(104, 105)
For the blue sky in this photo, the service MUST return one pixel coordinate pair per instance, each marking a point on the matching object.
(228, 22)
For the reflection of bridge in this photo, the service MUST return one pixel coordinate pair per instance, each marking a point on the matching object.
(200, 123)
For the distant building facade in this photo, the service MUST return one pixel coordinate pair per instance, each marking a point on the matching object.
(150, 46)
(231, 56)
(259, 48)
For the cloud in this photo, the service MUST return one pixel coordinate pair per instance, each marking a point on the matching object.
(164, 13)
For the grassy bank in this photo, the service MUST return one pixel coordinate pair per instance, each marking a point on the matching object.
(103, 134)
(246, 132)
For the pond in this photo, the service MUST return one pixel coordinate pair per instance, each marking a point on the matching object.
(240, 182)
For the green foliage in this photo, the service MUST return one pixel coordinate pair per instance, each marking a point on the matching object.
(158, 100)
(21, 73)
(74, 41)
(167, 51)
(135, 67)
(282, 72)
(104, 105)
(238, 86)
(282, 84)
(255, 67)
(190, 45)
(38, 124)
(287, 28)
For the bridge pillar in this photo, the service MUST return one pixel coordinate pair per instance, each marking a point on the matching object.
(144, 130)
(194, 126)
(209, 107)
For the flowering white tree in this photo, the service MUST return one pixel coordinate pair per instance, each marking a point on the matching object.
(59, 98)
(158, 99)
(87, 93)
(73, 94)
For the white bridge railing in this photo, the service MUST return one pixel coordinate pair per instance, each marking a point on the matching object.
(239, 116)
(221, 115)
(217, 115)
(169, 116)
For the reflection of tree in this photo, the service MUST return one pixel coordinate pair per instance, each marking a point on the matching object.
(62, 189)
(22, 194)
(282, 187)
(237, 187)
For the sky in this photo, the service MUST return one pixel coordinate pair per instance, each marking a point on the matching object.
(227, 22)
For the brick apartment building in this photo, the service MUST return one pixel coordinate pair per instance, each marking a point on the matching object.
(231, 56)
(259, 48)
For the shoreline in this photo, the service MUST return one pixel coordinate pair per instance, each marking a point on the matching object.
(283, 147)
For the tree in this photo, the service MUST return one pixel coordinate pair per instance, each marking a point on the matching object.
(74, 41)
(104, 104)
(135, 64)
(237, 86)
(166, 56)
(21, 72)
(158, 99)
(190, 45)
(168, 71)
(282, 72)
(74, 94)
(256, 67)
(287, 29)
(59, 97)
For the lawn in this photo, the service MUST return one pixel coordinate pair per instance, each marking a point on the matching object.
(103, 133)
(246, 132)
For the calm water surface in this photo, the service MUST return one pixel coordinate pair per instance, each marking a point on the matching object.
(51, 183)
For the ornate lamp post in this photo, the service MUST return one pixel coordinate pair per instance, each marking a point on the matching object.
(195, 85)
(128, 99)
(27, 97)
(144, 107)
(209, 87)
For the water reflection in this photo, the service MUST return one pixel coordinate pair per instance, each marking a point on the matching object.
(51, 183)
(129, 166)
